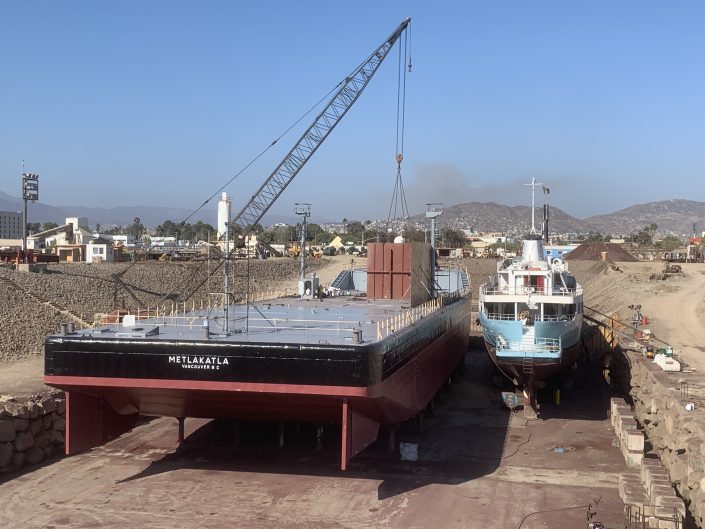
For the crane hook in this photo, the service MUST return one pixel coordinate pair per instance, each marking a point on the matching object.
(400, 157)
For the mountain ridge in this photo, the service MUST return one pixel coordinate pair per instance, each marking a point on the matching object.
(671, 216)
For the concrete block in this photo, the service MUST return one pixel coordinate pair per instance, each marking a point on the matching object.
(674, 504)
(616, 402)
(667, 518)
(661, 492)
(660, 482)
(629, 481)
(637, 499)
(627, 423)
(633, 491)
(655, 475)
(619, 412)
(635, 440)
(633, 459)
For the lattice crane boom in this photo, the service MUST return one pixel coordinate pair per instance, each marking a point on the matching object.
(315, 135)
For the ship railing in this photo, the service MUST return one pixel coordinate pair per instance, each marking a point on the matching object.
(537, 345)
(493, 290)
(515, 317)
(410, 316)
(192, 319)
(178, 308)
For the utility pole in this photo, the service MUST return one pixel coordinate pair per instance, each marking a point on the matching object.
(30, 191)
(433, 210)
(303, 209)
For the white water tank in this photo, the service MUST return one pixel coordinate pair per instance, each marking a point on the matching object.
(223, 213)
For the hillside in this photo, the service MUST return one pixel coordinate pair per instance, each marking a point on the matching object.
(671, 216)
(675, 215)
(490, 216)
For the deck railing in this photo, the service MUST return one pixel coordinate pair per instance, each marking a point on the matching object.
(537, 345)
(410, 316)
(493, 290)
(514, 317)
(191, 316)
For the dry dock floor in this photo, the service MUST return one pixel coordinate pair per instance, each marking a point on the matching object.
(479, 466)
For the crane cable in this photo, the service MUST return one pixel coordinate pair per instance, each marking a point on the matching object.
(398, 196)
(243, 169)
(274, 142)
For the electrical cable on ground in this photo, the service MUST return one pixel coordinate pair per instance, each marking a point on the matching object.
(548, 511)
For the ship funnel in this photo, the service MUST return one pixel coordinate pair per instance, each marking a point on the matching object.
(533, 250)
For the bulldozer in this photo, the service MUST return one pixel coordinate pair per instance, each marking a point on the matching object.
(671, 268)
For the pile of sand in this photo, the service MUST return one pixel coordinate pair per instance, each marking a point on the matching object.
(593, 252)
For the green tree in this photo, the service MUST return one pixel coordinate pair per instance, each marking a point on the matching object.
(642, 238)
(49, 226)
(167, 228)
(137, 228)
(453, 238)
(594, 236)
(355, 229)
(669, 243)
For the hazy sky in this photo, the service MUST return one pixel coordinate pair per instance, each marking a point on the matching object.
(161, 102)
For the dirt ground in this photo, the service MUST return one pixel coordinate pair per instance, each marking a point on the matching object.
(675, 307)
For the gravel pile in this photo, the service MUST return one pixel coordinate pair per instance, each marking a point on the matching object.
(87, 289)
(593, 252)
(24, 325)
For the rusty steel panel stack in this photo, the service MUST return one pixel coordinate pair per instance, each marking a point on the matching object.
(399, 271)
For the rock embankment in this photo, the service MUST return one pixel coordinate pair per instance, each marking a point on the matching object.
(31, 430)
(675, 433)
(29, 301)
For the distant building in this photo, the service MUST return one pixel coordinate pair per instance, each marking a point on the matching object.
(125, 240)
(557, 252)
(10, 225)
(81, 231)
(100, 252)
(163, 241)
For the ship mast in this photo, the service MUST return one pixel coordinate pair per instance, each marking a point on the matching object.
(533, 185)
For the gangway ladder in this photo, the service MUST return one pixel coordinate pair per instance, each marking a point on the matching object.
(527, 363)
(528, 346)
(465, 280)
(342, 277)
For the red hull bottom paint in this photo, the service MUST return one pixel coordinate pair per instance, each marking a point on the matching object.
(95, 405)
